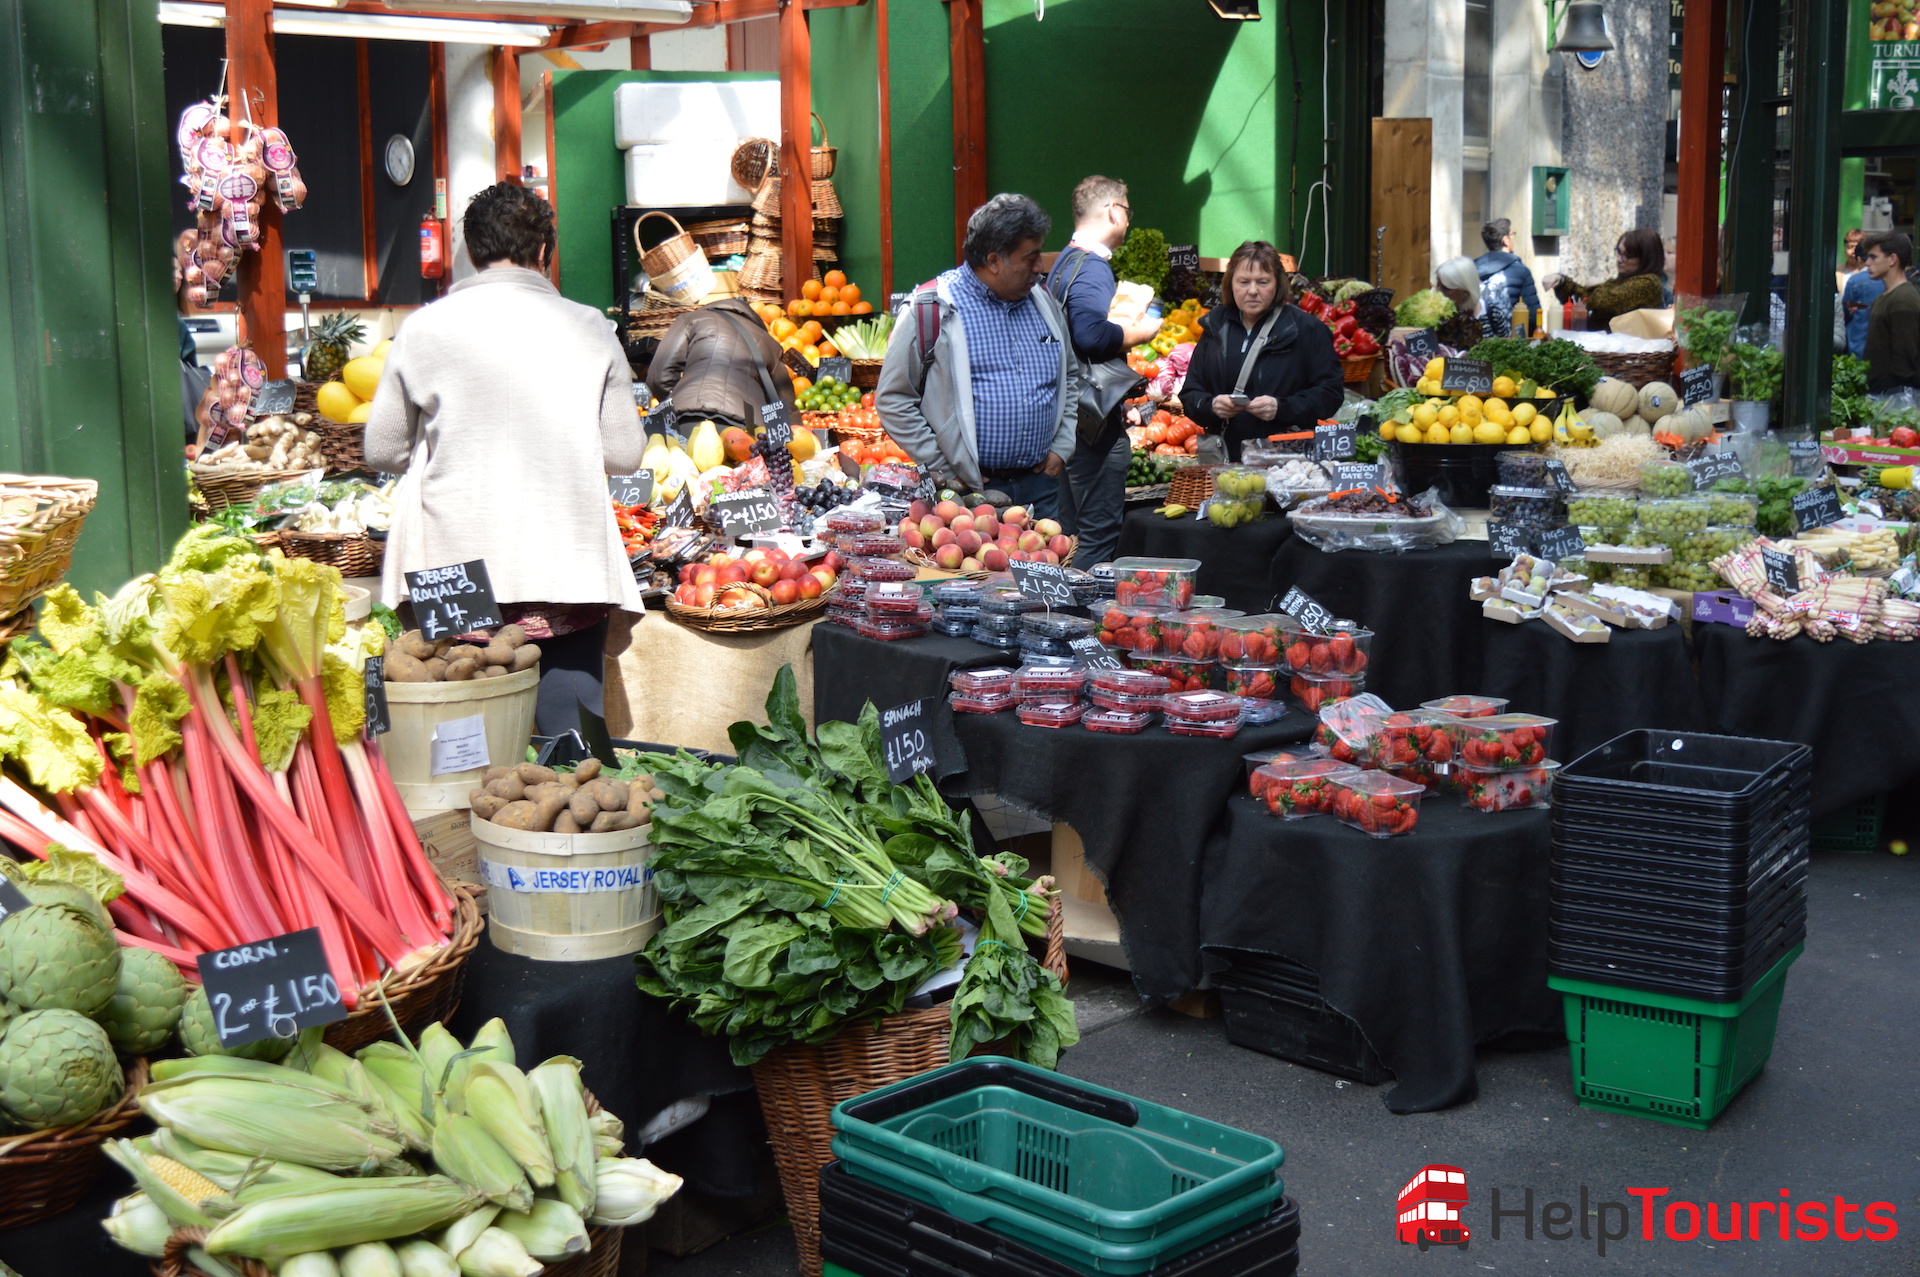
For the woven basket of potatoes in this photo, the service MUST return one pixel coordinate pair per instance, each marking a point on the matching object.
(543, 800)
(413, 658)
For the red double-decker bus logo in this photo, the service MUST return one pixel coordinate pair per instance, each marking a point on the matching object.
(1428, 1208)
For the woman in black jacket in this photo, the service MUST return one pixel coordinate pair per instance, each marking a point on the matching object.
(1295, 380)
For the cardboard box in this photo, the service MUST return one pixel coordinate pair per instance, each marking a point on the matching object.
(447, 838)
(1558, 620)
(1500, 610)
(1597, 608)
(1637, 554)
(1722, 607)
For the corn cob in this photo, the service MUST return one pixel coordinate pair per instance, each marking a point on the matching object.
(369, 1259)
(136, 1224)
(609, 1133)
(229, 1169)
(308, 1093)
(157, 1178)
(335, 1137)
(498, 1097)
(498, 1253)
(630, 1191)
(437, 1051)
(196, 1068)
(421, 1258)
(551, 1231)
(314, 1263)
(416, 1130)
(463, 1149)
(461, 1233)
(329, 1218)
(563, 1111)
(403, 1074)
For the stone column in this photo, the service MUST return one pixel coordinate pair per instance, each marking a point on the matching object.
(1527, 121)
(1616, 118)
(1425, 63)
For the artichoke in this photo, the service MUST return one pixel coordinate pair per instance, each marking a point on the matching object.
(54, 892)
(200, 1037)
(56, 1069)
(57, 956)
(146, 1002)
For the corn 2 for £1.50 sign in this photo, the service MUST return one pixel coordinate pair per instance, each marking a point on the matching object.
(453, 600)
(270, 988)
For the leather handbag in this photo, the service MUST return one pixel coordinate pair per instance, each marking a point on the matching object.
(1105, 385)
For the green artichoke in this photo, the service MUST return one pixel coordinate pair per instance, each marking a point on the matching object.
(146, 1002)
(57, 956)
(56, 1069)
(54, 892)
(200, 1037)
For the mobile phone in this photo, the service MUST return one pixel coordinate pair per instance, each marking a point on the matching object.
(1239, 399)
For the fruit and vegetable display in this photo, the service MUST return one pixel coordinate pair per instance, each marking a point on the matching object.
(271, 443)
(199, 734)
(1295, 790)
(1484, 789)
(229, 168)
(1150, 582)
(428, 1157)
(582, 799)
(1827, 605)
(1370, 503)
(238, 374)
(1547, 368)
(351, 507)
(760, 577)
(1502, 742)
(1239, 496)
(348, 396)
(830, 394)
(1145, 469)
(636, 525)
(803, 891)
(1167, 434)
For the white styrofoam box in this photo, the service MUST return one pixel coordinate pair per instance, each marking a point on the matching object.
(682, 175)
(695, 111)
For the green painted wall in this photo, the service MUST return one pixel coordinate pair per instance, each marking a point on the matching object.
(922, 91)
(89, 342)
(846, 97)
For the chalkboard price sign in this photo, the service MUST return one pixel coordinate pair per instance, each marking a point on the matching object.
(1561, 543)
(838, 367)
(1300, 605)
(1183, 257)
(1804, 459)
(779, 430)
(1355, 474)
(1696, 385)
(453, 600)
(1333, 440)
(270, 988)
(373, 689)
(273, 398)
(1046, 582)
(679, 512)
(1816, 508)
(1708, 468)
(1092, 653)
(1557, 472)
(631, 489)
(1782, 573)
(906, 739)
(1508, 539)
(1422, 345)
(742, 514)
(1470, 376)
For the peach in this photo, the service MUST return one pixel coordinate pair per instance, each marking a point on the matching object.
(909, 523)
(704, 574)
(969, 542)
(1047, 556)
(913, 538)
(730, 573)
(988, 528)
(949, 557)
(993, 558)
(961, 523)
(754, 555)
(1016, 515)
(1021, 556)
(703, 594)
(785, 591)
(1031, 541)
(1060, 544)
(1048, 528)
(969, 565)
(919, 510)
(945, 537)
(832, 562)
(825, 576)
(949, 510)
(793, 569)
(983, 512)
(810, 586)
(930, 525)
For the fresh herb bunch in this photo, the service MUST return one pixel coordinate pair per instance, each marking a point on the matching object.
(1756, 372)
(1774, 517)
(1704, 335)
(1849, 405)
(1560, 364)
(1142, 259)
(1368, 447)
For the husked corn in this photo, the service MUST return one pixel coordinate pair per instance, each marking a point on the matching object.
(498, 1253)
(551, 1231)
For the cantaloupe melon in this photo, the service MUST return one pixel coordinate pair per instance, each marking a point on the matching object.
(1605, 424)
(1657, 400)
(1612, 395)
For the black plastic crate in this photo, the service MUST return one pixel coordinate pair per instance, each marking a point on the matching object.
(1684, 774)
(1717, 955)
(877, 1233)
(1630, 898)
(1727, 837)
(1594, 910)
(1661, 891)
(1301, 1032)
(1682, 863)
(1639, 971)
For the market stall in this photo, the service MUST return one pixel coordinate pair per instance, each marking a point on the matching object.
(1236, 564)
(1639, 678)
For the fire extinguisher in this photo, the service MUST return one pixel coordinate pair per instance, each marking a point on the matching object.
(433, 256)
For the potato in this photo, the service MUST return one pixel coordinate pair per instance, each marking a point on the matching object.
(610, 822)
(534, 774)
(642, 818)
(539, 792)
(511, 635)
(587, 770)
(464, 652)
(443, 646)
(570, 780)
(462, 670)
(583, 807)
(498, 653)
(413, 645)
(657, 794)
(494, 671)
(495, 773)
(564, 823)
(507, 787)
(516, 816)
(485, 805)
(610, 795)
(637, 793)
(547, 809)
(525, 658)
(436, 669)
(398, 667)
(644, 778)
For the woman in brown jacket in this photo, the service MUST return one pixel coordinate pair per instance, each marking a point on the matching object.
(1639, 257)
(717, 362)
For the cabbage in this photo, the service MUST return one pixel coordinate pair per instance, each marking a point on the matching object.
(1428, 308)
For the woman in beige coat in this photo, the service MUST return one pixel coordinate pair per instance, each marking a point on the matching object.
(506, 406)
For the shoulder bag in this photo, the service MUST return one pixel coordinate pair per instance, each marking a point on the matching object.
(1104, 386)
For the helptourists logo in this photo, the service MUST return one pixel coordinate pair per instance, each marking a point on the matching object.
(1428, 1210)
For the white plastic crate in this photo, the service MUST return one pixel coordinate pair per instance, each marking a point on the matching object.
(681, 175)
(710, 111)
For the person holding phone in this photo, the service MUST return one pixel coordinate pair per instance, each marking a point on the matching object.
(1262, 366)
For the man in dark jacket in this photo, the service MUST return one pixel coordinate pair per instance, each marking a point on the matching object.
(1504, 278)
(716, 362)
(1093, 493)
(1893, 325)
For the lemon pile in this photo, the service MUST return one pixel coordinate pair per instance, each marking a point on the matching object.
(1470, 419)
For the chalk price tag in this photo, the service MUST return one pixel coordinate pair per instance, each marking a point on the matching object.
(1333, 440)
(373, 691)
(660, 420)
(1696, 385)
(1783, 574)
(796, 363)
(744, 513)
(1804, 458)
(1561, 543)
(631, 489)
(1711, 467)
(906, 741)
(1301, 606)
(679, 512)
(1046, 582)
(270, 988)
(1356, 474)
(1472, 376)
(1183, 257)
(838, 367)
(273, 398)
(1505, 540)
(1557, 471)
(453, 600)
(779, 430)
(12, 899)
(1092, 653)
(1423, 346)
(460, 745)
(1816, 508)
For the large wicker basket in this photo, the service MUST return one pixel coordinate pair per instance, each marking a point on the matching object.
(602, 1258)
(1637, 368)
(866, 372)
(1190, 486)
(228, 486)
(823, 155)
(733, 620)
(799, 1084)
(354, 553)
(422, 994)
(40, 519)
(343, 445)
(46, 1172)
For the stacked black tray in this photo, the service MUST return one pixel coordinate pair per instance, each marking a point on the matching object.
(1273, 1005)
(1679, 862)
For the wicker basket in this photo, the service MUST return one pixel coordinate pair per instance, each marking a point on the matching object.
(798, 1086)
(602, 1258)
(226, 487)
(733, 620)
(751, 160)
(46, 1172)
(344, 445)
(824, 154)
(422, 994)
(354, 553)
(1190, 486)
(843, 433)
(866, 372)
(40, 519)
(826, 202)
(676, 267)
(1638, 368)
(766, 198)
(1359, 369)
(719, 240)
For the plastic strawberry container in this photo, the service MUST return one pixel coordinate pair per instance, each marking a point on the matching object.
(1377, 804)
(1432, 777)
(1192, 633)
(1130, 683)
(1120, 722)
(1056, 625)
(1124, 701)
(1253, 710)
(895, 596)
(1464, 705)
(998, 680)
(1200, 707)
(853, 521)
(1505, 742)
(1341, 650)
(1224, 730)
(1291, 754)
(1065, 679)
(1315, 690)
(1261, 682)
(1484, 789)
(963, 593)
(1255, 640)
(1181, 673)
(1123, 627)
(1040, 715)
(1413, 736)
(878, 543)
(1296, 790)
(887, 630)
(980, 702)
(878, 569)
(1167, 582)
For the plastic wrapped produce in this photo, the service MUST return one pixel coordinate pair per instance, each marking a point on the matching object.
(895, 596)
(1466, 705)
(1051, 715)
(1059, 625)
(854, 521)
(1522, 469)
(1006, 600)
(1538, 508)
(1255, 640)
(1128, 628)
(1121, 722)
(1191, 632)
(1261, 682)
(1671, 520)
(1412, 736)
(1484, 789)
(1148, 581)
(1223, 729)
(1253, 710)
(1432, 777)
(1609, 510)
(1730, 507)
(1296, 790)
(1315, 690)
(1034, 682)
(1129, 701)
(1130, 682)
(981, 702)
(1342, 649)
(1183, 674)
(1665, 479)
(1206, 707)
(887, 629)
(1505, 741)
(997, 680)
(1377, 804)
(879, 569)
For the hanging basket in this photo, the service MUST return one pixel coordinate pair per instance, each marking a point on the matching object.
(676, 267)
(766, 200)
(751, 160)
(44, 1173)
(824, 154)
(826, 202)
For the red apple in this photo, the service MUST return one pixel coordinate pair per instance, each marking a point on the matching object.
(824, 576)
(1016, 515)
(786, 591)
(754, 555)
(1060, 544)
(833, 561)
(945, 537)
(993, 558)
(684, 595)
(719, 557)
(983, 511)
(730, 573)
(793, 569)
(969, 542)
(765, 573)
(949, 510)
(686, 573)
(1048, 528)
(703, 594)
(810, 586)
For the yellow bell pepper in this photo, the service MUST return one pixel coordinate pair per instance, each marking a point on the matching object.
(1163, 344)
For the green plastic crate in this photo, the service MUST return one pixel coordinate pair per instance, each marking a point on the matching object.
(1855, 830)
(831, 1269)
(1677, 1060)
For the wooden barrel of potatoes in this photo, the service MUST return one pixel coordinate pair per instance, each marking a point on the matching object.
(567, 897)
(465, 727)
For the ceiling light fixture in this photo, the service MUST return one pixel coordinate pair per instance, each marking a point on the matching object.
(663, 11)
(368, 26)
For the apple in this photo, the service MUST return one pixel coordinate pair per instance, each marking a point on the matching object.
(686, 573)
(961, 523)
(1016, 515)
(983, 512)
(703, 594)
(810, 586)
(945, 537)
(729, 574)
(993, 558)
(913, 539)
(684, 595)
(765, 573)
(1031, 541)
(1060, 544)
(786, 591)
(930, 525)
(704, 574)
(793, 569)
(754, 555)
(969, 542)
(833, 561)
(949, 510)
(825, 576)
(969, 565)
(1048, 528)
(919, 510)
(949, 557)
(778, 555)
(719, 557)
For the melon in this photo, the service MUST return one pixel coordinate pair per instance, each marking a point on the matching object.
(1690, 424)
(1605, 424)
(1657, 400)
(1612, 395)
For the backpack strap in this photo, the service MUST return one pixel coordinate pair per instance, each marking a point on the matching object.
(926, 321)
(1053, 276)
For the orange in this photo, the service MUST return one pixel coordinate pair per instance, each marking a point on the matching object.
(784, 328)
(841, 308)
(850, 294)
(861, 308)
(799, 308)
(836, 279)
(793, 343)
(812, 329)
(829, 295)
(801, 385)
(828, 350)
(810, 290)
(810, 353)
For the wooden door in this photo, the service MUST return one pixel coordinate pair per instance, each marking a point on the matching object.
(1402, 205)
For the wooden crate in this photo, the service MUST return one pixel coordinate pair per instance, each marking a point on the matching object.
(447, 838)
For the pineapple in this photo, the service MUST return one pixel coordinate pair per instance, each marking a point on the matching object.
(322, 358)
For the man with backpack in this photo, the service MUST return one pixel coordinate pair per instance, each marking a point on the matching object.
(1094, 493)
(1504, 278)
(980, 384)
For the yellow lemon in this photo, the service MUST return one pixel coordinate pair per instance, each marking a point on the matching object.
(1504, 387)
(1461, 433)
(362, 375)
(1523, 414)
(360, 413)
(1518, 437)
(1487, 432)
(335, 401)
(1497, 412)
(1389, 430)
(1447, 415)
(1437, 433)
(1409, 433)
(1472, 403)
(1471, 418)
(1426, 414)
(1545, 392)
(1539, 430)
(1493, 401)
(1436, 369)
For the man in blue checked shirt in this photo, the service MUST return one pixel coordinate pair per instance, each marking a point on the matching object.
(980, 379)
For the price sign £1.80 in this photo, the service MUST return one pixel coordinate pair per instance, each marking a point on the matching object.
(906, 739)
(270, 988)
(453, 600)
(1046, 582)
(779, 430)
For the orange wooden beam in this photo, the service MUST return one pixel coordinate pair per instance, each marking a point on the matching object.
(553, 173)
(506, 114)
(796, 147)
(369, 239)
(1703, 75)
(253, 90)
(967, 56)
(640, 53)
(886, 156)
(437, 110)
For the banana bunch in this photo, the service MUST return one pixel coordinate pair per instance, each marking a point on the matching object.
(433, 1160)
(1570, 430)
(1174, 510)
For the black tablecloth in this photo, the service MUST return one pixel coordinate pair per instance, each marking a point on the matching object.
(1144, 807)
(1857, 704)
(1235, 563)
(1432, 942)
(1638, 678)
(1427, 632)
(849, 671)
